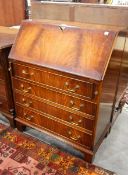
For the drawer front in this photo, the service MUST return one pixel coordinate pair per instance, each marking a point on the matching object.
(1, 74)
(70, 85)
(56, 97)
(69, 117)
(54, 126)
(4, 105)
(2, 89)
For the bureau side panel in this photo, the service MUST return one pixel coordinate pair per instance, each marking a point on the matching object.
(109, 91)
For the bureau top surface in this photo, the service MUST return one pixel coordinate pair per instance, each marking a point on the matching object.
(74, 49)
(7, 36)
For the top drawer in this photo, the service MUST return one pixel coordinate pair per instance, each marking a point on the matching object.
(68, 84)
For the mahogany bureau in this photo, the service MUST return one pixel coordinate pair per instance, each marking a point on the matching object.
(7, 37)
(64, 82)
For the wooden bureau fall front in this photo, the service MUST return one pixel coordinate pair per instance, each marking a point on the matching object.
(64, 83)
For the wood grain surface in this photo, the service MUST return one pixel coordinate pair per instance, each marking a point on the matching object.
(12, 12)
(84, 52)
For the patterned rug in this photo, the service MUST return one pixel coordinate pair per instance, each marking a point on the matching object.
(2, 128)
(21, 154)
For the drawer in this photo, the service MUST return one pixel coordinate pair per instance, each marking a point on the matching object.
(57, 97)
(54, 126)
(3, 105)
(2, 89)
(1, 74)
(73, 119)
(67, 84)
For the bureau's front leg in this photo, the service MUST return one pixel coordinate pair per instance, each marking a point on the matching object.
(21, 127)
(88, 156)
(12, 122)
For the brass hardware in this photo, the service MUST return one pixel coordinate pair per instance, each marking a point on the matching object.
(27, 73)
(71, 103)
(27, 104)
(23, 100)
(25, 90)
(73, 138)
(80, 121)
(77, 86)
(70, 117)
(71, 121)
(72, 90)
(69, 132)
(96, 92)
(81, 106)
(28, 117)
(22, 86)
(66, 83)
(75, 108)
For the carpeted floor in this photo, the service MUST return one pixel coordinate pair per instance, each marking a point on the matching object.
(21, 154)
(112, 154)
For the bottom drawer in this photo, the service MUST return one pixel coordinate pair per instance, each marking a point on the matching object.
(71, 118)
(54, 126)
(3, 105)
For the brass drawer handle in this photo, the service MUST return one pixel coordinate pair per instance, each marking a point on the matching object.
(72, 90)
(27, 104)
(77, 124)
(72, 104)
(96, 92)
(25, 90)
(27, 73)
(28, 117)
(73, 138)
(74, 123)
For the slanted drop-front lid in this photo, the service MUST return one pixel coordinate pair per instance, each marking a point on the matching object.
(73, 49)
